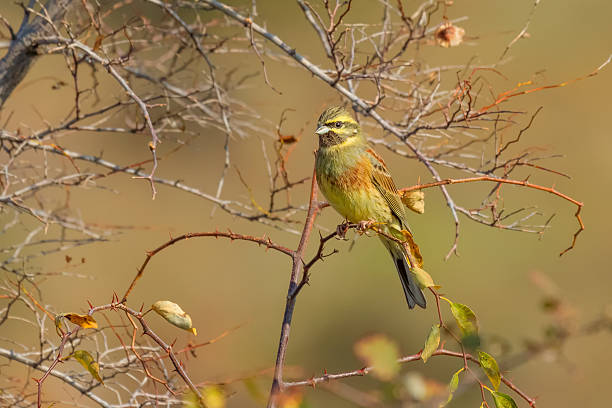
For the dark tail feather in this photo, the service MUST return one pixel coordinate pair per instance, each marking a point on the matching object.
(413, 293)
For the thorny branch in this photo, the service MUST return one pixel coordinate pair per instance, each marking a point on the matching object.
(523, 183)
(135, 75)
(459, 112)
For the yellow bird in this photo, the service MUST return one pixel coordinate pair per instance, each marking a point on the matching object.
(356, 182)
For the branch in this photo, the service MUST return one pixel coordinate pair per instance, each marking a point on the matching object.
(166, 347)
(406, 359)
(265, 241)
(523, 183)
(226, 205)
(298, 266)
(108, 65)
(22, 51)
(366, 109)
(68, 379)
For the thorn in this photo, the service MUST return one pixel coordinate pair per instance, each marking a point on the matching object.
(90, 305)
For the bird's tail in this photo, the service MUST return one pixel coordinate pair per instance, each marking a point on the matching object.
(414, 295)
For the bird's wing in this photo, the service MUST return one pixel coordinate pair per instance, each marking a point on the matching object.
(381, 178)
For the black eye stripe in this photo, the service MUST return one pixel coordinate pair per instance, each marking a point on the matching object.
(336, 124)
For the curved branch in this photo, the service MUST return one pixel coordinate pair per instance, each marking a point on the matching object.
(265, 241)
(406, 359)
(523, 183)
(357, 101)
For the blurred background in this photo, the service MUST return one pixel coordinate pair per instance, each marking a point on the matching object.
(354, 293)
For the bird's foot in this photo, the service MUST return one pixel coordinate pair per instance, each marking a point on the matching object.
(364, 226)
(342, 229)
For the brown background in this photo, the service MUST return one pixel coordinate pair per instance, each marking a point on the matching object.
(224, 284)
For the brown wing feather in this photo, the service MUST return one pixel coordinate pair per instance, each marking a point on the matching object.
(386, 187)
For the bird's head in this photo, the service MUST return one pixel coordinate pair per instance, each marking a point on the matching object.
(336, 126)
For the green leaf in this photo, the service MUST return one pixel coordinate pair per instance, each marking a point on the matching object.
(466, 319)
(381, 353)
(431, 343)
(87, 361)
(490, 368)
(503, 400)
(423, 278)
(452, 386)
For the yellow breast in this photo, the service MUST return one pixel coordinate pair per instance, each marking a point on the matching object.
(352, 193)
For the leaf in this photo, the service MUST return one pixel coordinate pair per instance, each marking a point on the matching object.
(415, 200)
(452, 386)
(414, 248)
(87, 361)
(503, 400)
(432, 343)
(59, 328)
(490, 368)
(293, 398)
(449, 35)
(381, 353)
(174, 315)
(213, 396)
(423, 278)
(84, 321)
(466, 319)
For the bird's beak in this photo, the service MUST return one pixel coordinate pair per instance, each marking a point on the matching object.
(323, 130)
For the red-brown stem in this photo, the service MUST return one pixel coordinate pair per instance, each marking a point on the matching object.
(166, 347)
(523, 183)
(414, 357)
(40, 381)
(298, 266)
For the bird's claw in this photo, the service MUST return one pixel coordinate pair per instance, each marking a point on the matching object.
(363, 226)
(341, 230)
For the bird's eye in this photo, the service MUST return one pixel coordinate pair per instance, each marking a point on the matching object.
(338, 124)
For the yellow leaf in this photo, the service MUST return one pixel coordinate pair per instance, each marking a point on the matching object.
(292, 398)
(59, 328)
(414, 248)
(490, 368)
(415, 200)
(423, 278)
(174, 315)
(381, 353)
(452, 387)
(214, 397)
(85, 321)
(88, 362)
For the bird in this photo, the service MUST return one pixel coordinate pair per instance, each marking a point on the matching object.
(357, 184)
